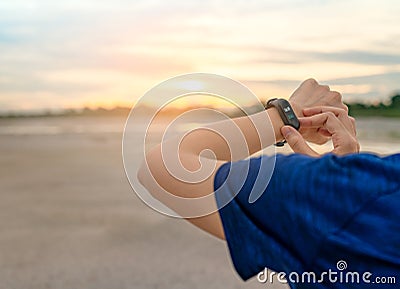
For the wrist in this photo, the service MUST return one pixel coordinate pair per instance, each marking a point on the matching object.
(297, 108)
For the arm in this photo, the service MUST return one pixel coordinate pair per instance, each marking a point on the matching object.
(155, 172)
(178, 168)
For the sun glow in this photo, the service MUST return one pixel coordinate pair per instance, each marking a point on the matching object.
(103, 54)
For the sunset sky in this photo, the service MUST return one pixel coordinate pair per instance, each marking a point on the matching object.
(62, 54)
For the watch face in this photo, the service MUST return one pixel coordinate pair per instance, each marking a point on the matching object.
(290, 116)
(289, 113)
(285, 111)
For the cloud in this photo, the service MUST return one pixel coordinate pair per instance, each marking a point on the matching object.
(382, 86)
(367, 88)
(82, 49)
(275, 55)
(388, 79)
(354, 56)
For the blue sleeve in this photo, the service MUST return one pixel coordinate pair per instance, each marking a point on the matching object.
(306, 200)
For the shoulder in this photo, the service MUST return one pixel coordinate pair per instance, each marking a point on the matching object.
(280, 217)
(300, 176)
(298, 164)
(348, 165)
(328, 161)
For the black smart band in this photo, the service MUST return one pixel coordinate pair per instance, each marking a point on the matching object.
(286, 113)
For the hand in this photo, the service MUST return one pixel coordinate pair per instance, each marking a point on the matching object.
(311, 94)
(335, 123)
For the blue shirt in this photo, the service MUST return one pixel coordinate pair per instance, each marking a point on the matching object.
(315, 215)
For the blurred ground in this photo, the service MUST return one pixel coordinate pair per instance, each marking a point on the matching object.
(69, 219)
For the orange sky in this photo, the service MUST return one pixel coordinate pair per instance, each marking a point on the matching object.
(106, 53)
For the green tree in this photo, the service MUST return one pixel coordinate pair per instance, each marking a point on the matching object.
(395, 101)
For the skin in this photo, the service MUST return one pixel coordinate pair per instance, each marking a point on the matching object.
(322, 116)
(335, 123)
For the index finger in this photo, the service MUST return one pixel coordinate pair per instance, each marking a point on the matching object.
(338, 112)
(327, 120)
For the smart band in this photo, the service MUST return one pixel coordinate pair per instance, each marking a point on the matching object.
(286, 113)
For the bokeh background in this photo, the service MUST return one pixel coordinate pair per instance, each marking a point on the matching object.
(71, 70)
(57, 54)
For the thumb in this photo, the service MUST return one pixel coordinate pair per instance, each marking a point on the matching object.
(297, 142)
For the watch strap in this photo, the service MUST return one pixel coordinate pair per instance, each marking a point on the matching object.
(285, 112)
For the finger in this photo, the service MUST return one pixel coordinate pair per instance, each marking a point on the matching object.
(311, 82)
(336, 97)
(297, 142)
(345, 107)
(344, 145)
(326, 120)
(325, 88)
(343, 141)
(353, 122)
(340, 113)
(314, 121)
(324, 132)
(309, 111)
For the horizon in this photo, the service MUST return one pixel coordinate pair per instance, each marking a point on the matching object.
(75, 54)
(168, 109)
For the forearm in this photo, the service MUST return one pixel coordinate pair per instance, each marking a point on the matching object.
(245, 135)
(177, 166)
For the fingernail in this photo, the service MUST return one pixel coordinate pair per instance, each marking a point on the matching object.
(286, 131)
